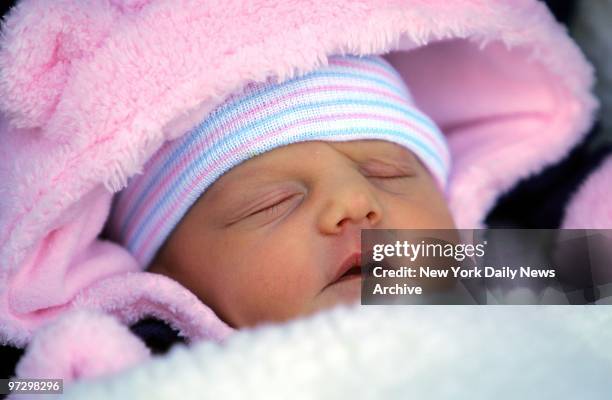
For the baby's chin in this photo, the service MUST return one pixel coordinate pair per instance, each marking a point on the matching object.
(345, 291)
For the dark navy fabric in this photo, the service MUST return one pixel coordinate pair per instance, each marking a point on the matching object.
(157, 335)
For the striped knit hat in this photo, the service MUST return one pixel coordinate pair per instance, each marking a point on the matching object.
(351, 98)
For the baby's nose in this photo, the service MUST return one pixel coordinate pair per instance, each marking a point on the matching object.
(351, 203)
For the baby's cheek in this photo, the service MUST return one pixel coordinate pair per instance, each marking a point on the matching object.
(439, 215)
(426, 209)
(265, 287)
(293, 292)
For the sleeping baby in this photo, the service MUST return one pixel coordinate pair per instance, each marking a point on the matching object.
(258, 209)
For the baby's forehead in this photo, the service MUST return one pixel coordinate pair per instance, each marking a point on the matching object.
(309, 155)
(365, 147)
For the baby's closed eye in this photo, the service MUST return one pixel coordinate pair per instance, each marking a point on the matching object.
(393, 174)
(276, 208)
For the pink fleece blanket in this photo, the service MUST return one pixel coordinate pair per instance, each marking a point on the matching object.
(89, 90)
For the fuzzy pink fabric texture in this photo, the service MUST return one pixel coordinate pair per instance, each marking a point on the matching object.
(90, 89)
(64, 348)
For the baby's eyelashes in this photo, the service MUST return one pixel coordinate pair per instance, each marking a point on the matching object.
(392, 177)
(272, 210)
(241, 202)
(275, 208)
(376, 168)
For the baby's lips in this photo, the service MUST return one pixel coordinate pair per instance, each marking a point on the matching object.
(353, 259)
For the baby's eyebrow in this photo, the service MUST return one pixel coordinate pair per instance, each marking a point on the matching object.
(220, 189)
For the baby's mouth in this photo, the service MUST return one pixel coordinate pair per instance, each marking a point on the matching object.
(349, 269)
(353, 272)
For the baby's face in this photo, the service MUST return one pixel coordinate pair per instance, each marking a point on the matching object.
(267, 240)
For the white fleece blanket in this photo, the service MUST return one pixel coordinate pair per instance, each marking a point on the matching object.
(388, 352)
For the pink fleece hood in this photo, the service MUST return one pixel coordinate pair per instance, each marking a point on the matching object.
(90, 89)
